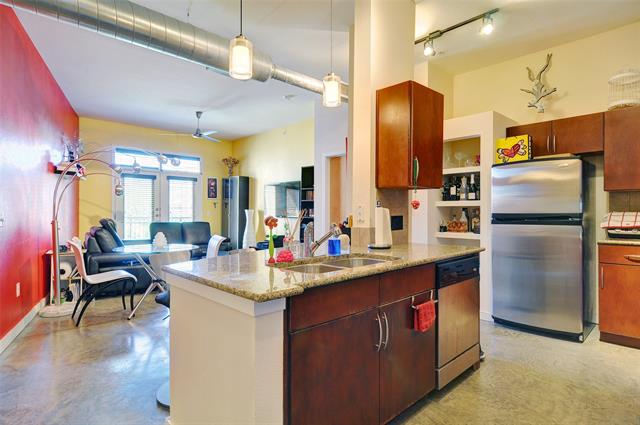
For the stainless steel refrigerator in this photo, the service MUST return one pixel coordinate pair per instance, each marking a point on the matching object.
(235, 193)
(537, 243)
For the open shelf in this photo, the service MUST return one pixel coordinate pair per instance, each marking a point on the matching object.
(461, 170)
(463, 204)
(458, 235)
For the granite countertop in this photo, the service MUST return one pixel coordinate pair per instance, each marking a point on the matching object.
(635, 242)
(246, 274)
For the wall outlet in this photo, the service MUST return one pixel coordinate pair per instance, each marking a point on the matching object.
(18, 290)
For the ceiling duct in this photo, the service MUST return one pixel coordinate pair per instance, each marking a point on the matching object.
(139, 25)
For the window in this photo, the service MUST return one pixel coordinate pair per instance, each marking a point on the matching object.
(148, 161)
(157, 192)
(139, 204)
(181, 198)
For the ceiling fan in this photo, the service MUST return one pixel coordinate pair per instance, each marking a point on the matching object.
(198, 134)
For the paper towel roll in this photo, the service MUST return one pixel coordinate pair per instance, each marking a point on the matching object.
(65, 270)
(383, 227)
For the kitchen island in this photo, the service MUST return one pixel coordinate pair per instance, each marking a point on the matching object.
(303, 343)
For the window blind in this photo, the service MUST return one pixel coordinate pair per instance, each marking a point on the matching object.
(139, 202)
(181, 199)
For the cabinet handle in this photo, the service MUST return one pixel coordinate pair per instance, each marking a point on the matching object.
(416, 171)
(386, 328)
(554, 143)
(634, 258)
(379, 344)
(601, 277)
(548, 149)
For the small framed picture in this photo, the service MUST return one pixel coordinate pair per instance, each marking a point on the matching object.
(212, 187)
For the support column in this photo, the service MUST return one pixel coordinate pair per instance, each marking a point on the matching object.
(381, 54)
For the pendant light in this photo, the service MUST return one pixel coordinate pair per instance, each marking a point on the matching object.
(331, 83)
(241, 55)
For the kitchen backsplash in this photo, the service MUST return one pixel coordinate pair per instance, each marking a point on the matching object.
(624, 201)
(397, 200)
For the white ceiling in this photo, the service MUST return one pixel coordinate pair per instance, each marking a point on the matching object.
(110, 79)
(521, 27)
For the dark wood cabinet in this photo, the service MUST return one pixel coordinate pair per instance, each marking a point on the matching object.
(407, 360)
(540, 134)
(576, 135)
(351, 354)
(334, 372)
(619, 295)
(622, 149)
(409, 131)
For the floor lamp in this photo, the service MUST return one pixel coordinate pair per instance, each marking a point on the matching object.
(77, 166)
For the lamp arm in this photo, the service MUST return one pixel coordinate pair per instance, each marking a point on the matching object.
(84, 158)
(59, 201)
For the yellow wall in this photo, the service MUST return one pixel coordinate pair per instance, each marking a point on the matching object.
(579, 70)
(271, 157)
(96, 192)
(436, 78)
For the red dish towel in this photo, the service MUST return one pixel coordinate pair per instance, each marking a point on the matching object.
(424, 316)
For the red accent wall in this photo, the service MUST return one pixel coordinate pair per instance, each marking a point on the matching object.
(34, 115)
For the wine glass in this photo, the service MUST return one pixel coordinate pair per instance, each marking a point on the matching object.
(459, 156)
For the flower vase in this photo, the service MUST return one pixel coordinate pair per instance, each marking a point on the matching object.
(249, 237)
(272, 248)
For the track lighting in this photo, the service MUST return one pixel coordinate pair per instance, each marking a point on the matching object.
(429, 50)
(486, 29)
(487, 25)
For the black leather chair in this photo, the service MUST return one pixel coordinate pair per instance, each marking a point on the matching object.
(194, 232)
(99, 258)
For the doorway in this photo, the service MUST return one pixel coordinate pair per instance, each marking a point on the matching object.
(338, 202)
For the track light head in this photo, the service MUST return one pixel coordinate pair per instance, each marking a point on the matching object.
(487, 25)
(429, 50)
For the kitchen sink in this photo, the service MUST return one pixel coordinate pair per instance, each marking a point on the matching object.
(354, 262)
(314, 268)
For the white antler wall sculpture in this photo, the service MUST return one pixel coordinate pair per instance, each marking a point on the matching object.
(539, 91)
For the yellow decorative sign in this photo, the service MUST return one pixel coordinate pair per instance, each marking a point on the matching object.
(513, 149)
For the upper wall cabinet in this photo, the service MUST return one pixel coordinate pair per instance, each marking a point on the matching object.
(577, 135)
(409, 141)
(540, 134)
(622, 149)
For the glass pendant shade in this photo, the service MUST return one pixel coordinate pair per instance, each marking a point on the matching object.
(241, 58)
(331, 91)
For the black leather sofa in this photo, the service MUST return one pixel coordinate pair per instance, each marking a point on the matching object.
(99, 243)
(194, 232)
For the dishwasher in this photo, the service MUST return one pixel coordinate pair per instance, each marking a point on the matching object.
(458, 318)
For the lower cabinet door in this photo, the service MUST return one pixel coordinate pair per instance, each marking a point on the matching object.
(619, 300)
(407, 360)
(335, 372)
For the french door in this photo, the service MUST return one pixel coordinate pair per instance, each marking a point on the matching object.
(156, 196)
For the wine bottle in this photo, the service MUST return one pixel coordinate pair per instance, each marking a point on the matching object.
(453, 192)
(464, 189)
(472, 189)
(445, 190)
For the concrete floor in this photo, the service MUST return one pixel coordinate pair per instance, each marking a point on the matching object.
(107, 371)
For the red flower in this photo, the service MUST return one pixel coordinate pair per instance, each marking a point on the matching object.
(271, 222)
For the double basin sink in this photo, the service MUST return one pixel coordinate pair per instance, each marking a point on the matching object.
(333, 265)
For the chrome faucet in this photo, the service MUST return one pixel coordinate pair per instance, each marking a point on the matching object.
(333, 231)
